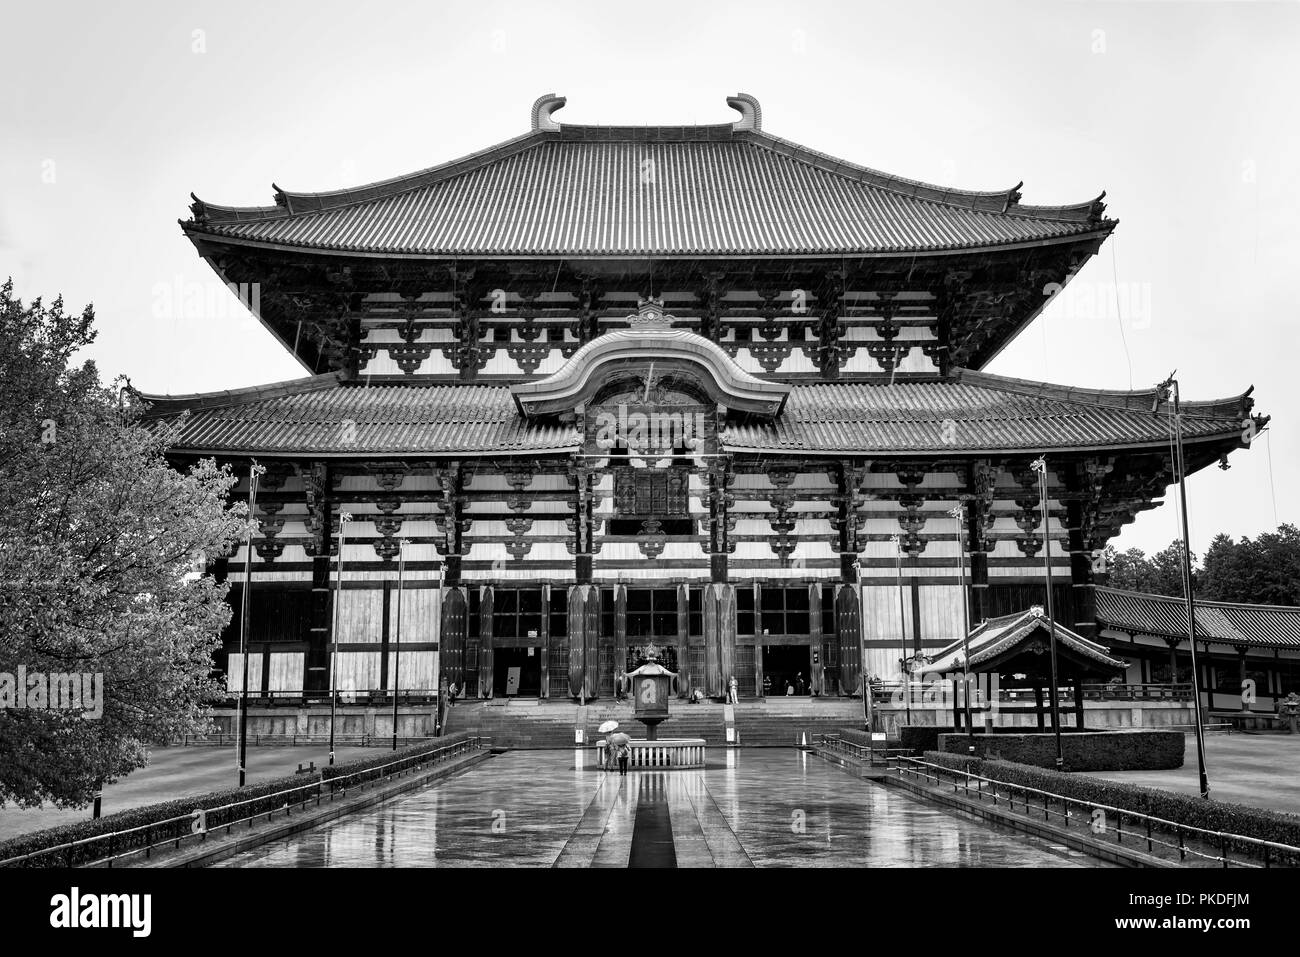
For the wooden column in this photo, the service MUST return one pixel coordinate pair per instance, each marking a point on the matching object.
(1078, 702)
(684, 676)
(720, 478)
(983, 486)
(820, 684)
(1241, 673)
(719, 637)
(848, 625)
(1038, 705)
(1082, 587)
(620, 634)
(317, 481)
(584, 633)
(451, 642)
(486, 659)
(582, 478)
(544, 638)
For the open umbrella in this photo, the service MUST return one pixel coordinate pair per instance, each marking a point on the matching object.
(607, 727)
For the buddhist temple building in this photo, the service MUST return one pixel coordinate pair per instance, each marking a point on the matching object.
(695, 386)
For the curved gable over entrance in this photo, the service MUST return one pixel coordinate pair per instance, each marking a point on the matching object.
(650, 339)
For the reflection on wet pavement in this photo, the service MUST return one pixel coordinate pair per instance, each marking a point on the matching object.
(765, 807)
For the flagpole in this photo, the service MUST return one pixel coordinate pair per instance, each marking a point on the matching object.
(902, 627)
(1163, 391)
(344, 518)
(243, 621)
(959, 513)
(397, 644)
(1040, 466)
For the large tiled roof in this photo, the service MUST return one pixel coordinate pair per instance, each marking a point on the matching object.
(974, 412)
(1238, 624)
(637, 191)
(323, 416)
(996, 637)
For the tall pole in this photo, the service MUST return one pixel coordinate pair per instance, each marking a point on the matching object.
(1162, 393)
(902, 626)
(862, 649)
(397, 644)
(1040, 466)
(959, 513)
(344, 518)
(253, 471)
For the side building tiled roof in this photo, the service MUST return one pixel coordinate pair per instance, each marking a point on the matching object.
(995, 638)
(1231, 623)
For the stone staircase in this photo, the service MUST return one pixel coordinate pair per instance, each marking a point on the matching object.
(782, 722)
(532, 724)
(685, 720)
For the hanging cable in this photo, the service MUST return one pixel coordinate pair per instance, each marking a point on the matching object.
(1119, 318)
(1272, 490)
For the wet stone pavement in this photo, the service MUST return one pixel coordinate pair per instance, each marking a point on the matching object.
(762, 807)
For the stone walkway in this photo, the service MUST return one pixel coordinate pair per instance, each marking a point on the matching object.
(761, 807)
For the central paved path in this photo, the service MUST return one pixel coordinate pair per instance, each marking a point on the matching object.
(765, 807)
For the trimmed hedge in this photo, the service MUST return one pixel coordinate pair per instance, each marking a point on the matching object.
(1189, 809)
(1146, 750)
(921, 737)
(182, 807)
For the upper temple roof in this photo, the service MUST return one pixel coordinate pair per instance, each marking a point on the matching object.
(616, 191)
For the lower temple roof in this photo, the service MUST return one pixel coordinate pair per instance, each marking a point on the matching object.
(970, 413)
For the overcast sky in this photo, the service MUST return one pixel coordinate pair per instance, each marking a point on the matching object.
(1185, 113)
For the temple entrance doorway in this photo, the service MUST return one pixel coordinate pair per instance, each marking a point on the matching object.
(786, 666)
(517, 672)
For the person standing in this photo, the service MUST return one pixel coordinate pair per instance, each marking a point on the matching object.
(620, 746)
(798, 683)
(733, 691)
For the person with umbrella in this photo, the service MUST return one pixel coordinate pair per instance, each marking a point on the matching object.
(621, 746)
(603, 746)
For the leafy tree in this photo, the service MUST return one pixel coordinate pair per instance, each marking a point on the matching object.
(1263, 571)
(1161, 574)
(98, 544)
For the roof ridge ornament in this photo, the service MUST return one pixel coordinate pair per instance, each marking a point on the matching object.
(751, 114)
(650, 315)
(543, 107)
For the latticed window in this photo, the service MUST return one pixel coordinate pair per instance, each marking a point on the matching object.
(650, 493)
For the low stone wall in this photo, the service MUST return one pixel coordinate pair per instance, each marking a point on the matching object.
(352, 720)
(1146, 750)
(1098, 715)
